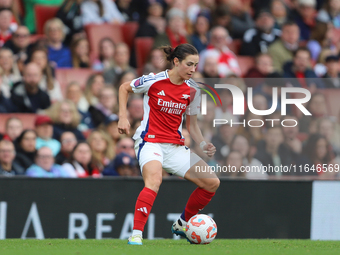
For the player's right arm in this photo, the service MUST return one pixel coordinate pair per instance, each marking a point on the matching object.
(123, 123)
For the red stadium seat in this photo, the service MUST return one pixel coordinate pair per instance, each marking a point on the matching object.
(95, 33)
(245, 63)
(67, 75)
(129, 30)
(143, 48)
(43, 13)
(235, 46)
(27, 119)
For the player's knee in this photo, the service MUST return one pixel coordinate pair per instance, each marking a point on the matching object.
(211, 184)
(154, 183)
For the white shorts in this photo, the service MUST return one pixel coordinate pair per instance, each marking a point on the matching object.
(175, 159)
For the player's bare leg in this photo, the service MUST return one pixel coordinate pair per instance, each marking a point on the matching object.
(152, 176)
(207, 183)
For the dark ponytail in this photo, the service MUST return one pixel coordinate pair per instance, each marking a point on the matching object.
(180, 52)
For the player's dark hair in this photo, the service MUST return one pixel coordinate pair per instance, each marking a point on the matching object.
(180, 52)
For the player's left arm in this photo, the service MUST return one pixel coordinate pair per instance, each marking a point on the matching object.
(196, 134)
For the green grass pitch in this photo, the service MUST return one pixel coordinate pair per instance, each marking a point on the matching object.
(167, 246)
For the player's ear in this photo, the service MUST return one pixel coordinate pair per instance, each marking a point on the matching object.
(176, 61)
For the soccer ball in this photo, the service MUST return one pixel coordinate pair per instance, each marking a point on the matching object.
(201, 229)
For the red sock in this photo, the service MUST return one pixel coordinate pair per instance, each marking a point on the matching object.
(143, 207)
(197, 201)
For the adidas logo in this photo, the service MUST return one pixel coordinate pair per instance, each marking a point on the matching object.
(161, 93)
(143, 209)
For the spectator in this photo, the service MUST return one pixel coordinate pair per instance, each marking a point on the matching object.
(201, 6)
(14, 7)
(205, 124)
(126, 145)
(321, 37)
(330, 12)
(19, 45)
(317, 106)
(271, 151)
(241, 144)
(282, 50)
(154, 24)
(80, 53)
(65, 117)
(6, 32)
(100, 11)
(44, 166)
(69, 13)
(241, 20)
(263, 67)
(271, 81)
(234, 160)
(121, 59)
(299, 72)
(48, 82)
(290, 134)
(13, 128)
(305, 17)
(279, 11)
(26, 95)
(124, 77)
(29, 19)
(111, 127)
(106, 106)
(317, 152)
(8, 166)
(68, 141)
(44, 129)
(222, 17)
(210, 68)
(93, 86)
(75, 93)
(135, 108)
(156, 62)
(57, 52)
(25, 147)
(200, 37)
(102, 149)
(254, 134)
(107, 50)
(257, 40)
(6, 105)
(175, 32)
(320, 68)
(10, 73)
(331, 78)
(326, 127)
(80, 162)
(122, 165)
(227, 61)
(222, 141)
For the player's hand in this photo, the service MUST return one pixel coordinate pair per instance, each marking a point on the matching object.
(209, 149)
(124, 126)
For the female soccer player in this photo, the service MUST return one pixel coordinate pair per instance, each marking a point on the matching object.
(159, 142)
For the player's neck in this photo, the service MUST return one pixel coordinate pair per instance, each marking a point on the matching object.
(174, 77)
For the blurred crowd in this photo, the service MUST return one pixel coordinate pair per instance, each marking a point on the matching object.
(258, 44)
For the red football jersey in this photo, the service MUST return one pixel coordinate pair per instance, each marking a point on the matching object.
(164, 106)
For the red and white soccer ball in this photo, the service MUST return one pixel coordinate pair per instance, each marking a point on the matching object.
(201, 229)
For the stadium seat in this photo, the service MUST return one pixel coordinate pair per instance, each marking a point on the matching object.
(129, 30)
(245, 63)
(43, 13)
(143, 48)
(27, 119)
(67, 75)
(96, 32)
(235, 46)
